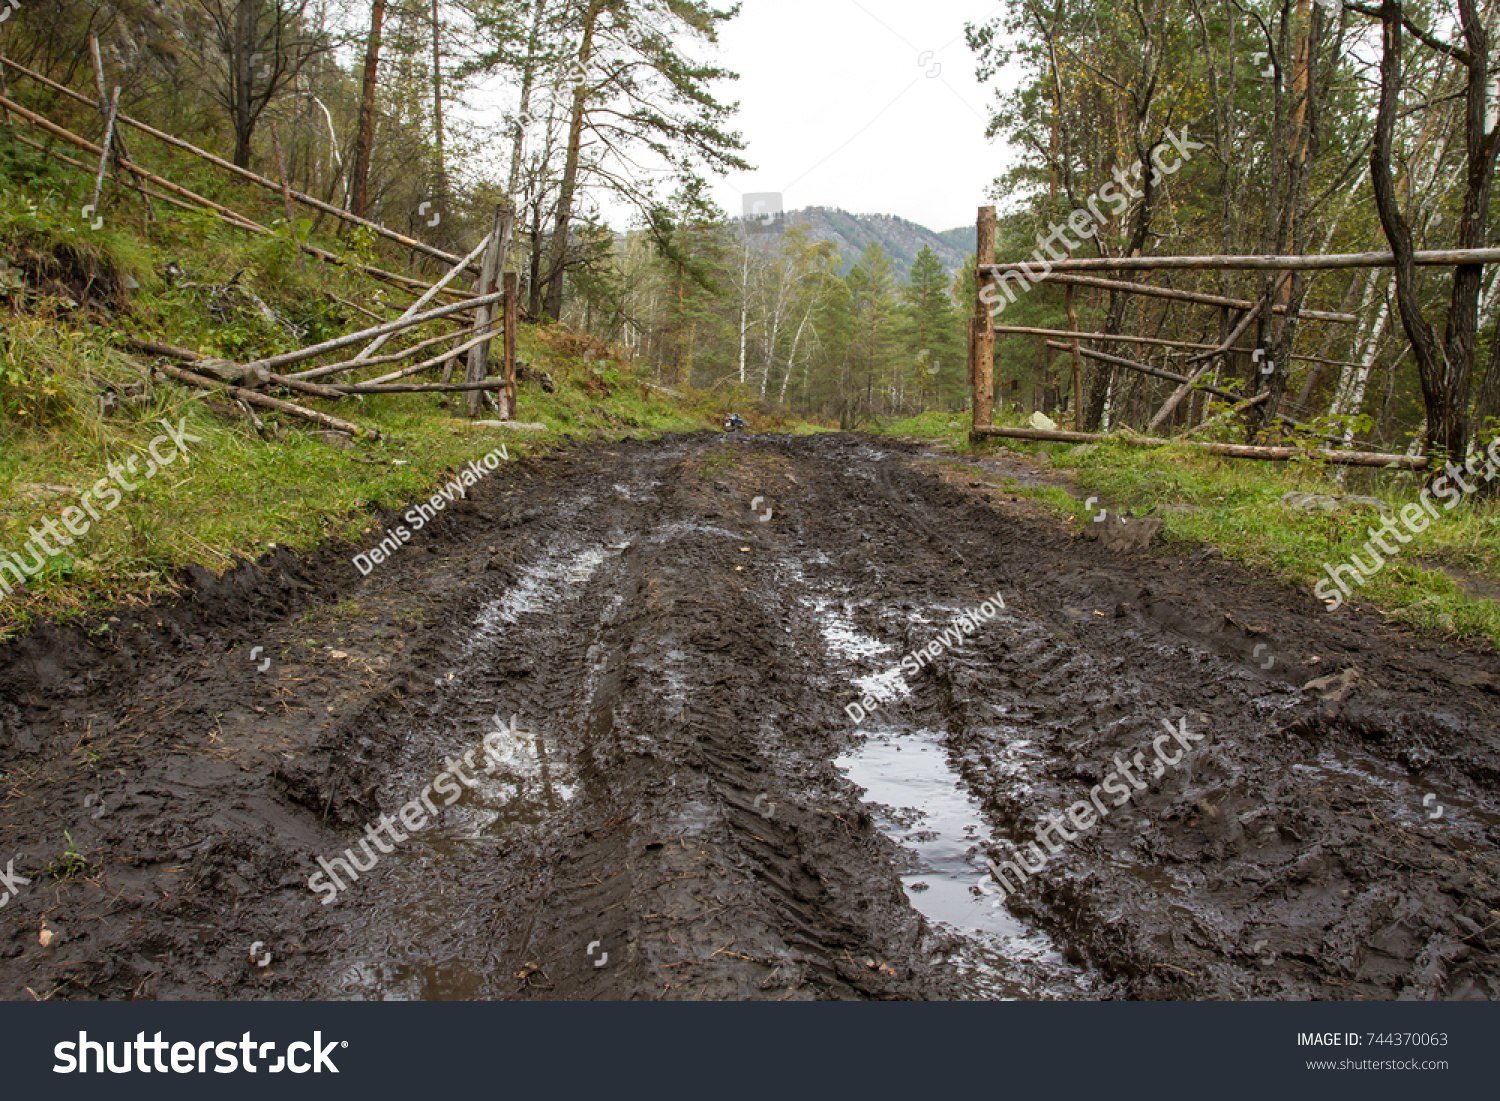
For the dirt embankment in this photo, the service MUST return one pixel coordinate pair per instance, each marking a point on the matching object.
(683, 808)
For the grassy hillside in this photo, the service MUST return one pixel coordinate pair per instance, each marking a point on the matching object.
(72, 294)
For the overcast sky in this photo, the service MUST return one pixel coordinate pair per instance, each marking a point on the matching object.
(868, 105)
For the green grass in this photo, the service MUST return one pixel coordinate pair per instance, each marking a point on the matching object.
(1239, 510)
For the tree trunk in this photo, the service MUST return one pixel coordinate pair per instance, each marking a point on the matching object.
(437, 104)
(556, 269)
(528, 81)
(1446, 369)
(364, 140)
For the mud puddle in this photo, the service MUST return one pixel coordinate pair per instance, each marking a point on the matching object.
(920, 803)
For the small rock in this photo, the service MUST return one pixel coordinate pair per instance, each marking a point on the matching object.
(1123, 534)
(1042, 422)
(336, 439)
(511, 426)
(1337, 689)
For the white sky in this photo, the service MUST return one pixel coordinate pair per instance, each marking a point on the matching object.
(837, 111)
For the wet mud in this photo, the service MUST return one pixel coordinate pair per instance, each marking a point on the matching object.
(638, 659)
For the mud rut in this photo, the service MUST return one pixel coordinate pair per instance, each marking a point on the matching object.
(690, 813)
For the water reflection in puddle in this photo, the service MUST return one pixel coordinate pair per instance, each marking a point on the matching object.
(920, 803)
(423, 907)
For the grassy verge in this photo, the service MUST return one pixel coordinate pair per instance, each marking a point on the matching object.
(1443, 581)
(1446, 580)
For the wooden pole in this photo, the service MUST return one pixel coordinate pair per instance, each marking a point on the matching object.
(121, 151)
(1229, 450)
(984, 334)
(479, 356)
(512, 320)
(109, 138)
(1146, 290)
(244, 173)
(1077, 363)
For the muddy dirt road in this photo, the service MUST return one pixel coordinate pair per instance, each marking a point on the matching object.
(682, 807)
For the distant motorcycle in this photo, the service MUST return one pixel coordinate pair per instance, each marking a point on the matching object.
(735, 423)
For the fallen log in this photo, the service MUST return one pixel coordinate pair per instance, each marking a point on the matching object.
(225, 370)
(1229, 450)
(252, 397)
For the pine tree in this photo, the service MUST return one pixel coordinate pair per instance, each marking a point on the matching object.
(931, 330)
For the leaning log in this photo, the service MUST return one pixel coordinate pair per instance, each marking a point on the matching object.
(245, 173)
(1228, 450)
(251, 397)
(223, 212)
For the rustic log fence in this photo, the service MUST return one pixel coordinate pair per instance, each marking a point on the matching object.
(494, 304)
(1069, 273)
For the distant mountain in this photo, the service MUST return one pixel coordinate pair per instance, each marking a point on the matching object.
(902, 240)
